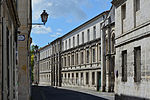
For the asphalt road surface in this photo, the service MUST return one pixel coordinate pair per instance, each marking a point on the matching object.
(50, 93)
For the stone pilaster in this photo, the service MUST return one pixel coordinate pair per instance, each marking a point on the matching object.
(103, 63)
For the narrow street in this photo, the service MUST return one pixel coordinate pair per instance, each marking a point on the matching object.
(50, 93)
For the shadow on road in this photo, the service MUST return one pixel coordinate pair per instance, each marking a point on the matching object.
(50, 93)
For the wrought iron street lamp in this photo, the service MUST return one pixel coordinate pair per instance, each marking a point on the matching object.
(44, 17)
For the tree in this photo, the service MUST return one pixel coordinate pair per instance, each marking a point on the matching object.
(32, 52)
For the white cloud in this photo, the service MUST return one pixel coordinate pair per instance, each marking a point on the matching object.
(56, 34)
(41, 30)
(59, 30)
(60, 8)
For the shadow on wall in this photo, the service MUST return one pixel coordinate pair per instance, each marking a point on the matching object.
(50, 93)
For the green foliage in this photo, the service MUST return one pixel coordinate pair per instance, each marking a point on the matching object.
(32, 50)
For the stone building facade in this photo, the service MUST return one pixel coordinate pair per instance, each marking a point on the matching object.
(132, 35)
(81, 55)
(56, 62)
(108, 52)
(45, 65)
(9, 23)
(24, 69)
(50, 64)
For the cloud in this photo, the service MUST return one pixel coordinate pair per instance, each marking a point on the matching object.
(56, 34)
(41, 30)
(59, 30)
(60, 8)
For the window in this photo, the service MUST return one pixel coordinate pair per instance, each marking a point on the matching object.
(72, 75)
(68, 75)
(137, 64)
(76, 75)
(73, 41)
(77, 59)
(65, 61)
(81, 75)
(82, 58)
(62, 61)
(87, 56)
(123, 9)
(78, 39)
(72, 59)
(69, 43)
(87, 78)
(82, 37)
(94, 55)
(93, 78)
(63, 45)
(66, 44)
(94, 32)
(88, 35)
(124, 66)
(137, 5)
(76, 78)
(99, 53)
(68, 60)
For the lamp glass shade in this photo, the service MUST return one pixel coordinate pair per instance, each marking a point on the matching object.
(44, 16)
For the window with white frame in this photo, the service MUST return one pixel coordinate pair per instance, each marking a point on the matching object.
(94, 32)
(88, 35)
(82, 37)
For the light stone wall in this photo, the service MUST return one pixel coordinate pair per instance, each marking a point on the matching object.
(134, 32)
(82, 47)
(84, 29)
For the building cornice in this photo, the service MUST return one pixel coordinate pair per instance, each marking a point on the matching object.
(117, 3)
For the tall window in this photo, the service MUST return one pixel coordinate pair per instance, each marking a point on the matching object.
(69, 43)
(137, 64)
(62, 45)
(68, 75)
(99, 53)
(137, 5)
(93, 78)
(88, 34)
(94, 55)
(65, 61)
(73, 41)
(72, 60)
(78, 39)
(62, 61)
(82, 37)
(77, 59)
(94, 32)
(124, 66)
(66, 44)
(87, 56)
(68, 60)
(123, 9)
(87, 78)
(82, 58)
(76, 78)
(82, 75)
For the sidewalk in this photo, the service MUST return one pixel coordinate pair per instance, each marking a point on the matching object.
(109, 96)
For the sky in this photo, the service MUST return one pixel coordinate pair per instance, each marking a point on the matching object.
(64, 16)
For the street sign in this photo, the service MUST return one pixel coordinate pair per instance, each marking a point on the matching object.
(21, 37)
